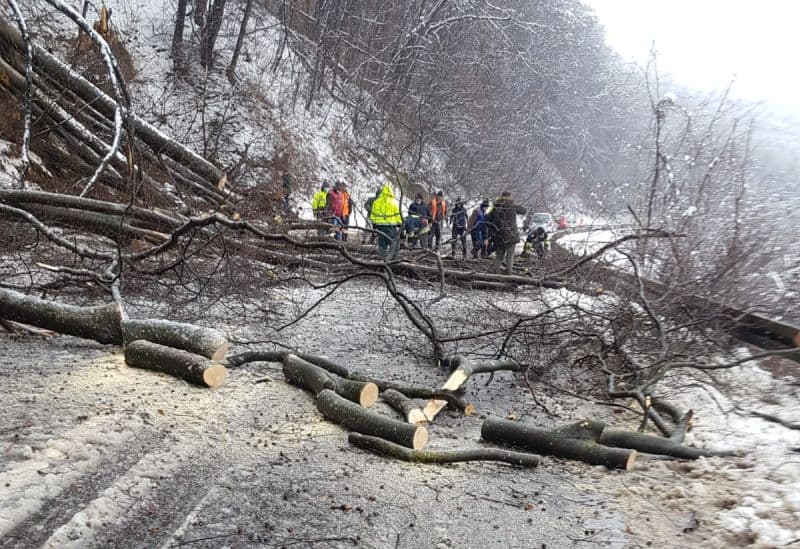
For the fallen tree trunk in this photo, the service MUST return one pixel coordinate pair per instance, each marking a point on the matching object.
(352, 416)
(101, 323)
(384, 447)
(104, 104)
(151, 219)
(315, 379)
(575, 441)
(463, 369)
(651, 444)
(200, 340)
(175, 362)
(405, 406)
(111, 226)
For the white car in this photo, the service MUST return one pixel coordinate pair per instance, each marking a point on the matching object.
(544, 220)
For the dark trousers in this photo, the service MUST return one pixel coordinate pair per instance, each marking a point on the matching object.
(387, 233)
(460, 235)
(436, 233)
(504, 257)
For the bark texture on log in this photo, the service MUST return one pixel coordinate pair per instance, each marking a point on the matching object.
(405, 406)
(101, 323)
(651, 444)
(356, 418)
(384, 447)
(175, 362)
(572, 442)
(200, 340)
(256, 356)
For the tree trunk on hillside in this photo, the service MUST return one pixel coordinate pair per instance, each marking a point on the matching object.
(177, 36)
(208, 38)
(175, 362)
(100, 323)
(239, 40)
(199, 15)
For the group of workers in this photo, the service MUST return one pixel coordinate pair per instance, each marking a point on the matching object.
(492, 228)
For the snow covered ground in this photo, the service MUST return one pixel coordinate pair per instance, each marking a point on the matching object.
(96, 454)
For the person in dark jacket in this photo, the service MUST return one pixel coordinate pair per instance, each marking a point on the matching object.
(418, 222)
(458, 220)
(504, 220)
(478, 230)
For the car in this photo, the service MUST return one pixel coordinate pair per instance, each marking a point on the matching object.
(544, 220)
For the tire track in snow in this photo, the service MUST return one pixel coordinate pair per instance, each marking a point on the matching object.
(35, 493)
(126, 496)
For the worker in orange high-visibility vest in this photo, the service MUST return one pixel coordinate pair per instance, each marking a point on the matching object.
(438, 211)
(347, 209)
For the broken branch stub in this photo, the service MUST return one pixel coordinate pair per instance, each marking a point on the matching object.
(175, 362)
(462, 370)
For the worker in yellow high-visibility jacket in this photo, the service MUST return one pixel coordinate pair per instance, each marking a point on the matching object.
(318, 204)
(386, 218)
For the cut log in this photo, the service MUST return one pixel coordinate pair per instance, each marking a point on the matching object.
(175, 362)
(411, 391)
(326, 363)
(462, 370)
(306, 375)
(200, 340)
(315, 379)
(101, 323)
(356, 418)
(256, 356)
(384, 447)
(571, 442)
(405, 406)
(360, 392)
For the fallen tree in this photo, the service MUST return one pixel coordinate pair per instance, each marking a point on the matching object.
(101, 323)
(411, 391)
